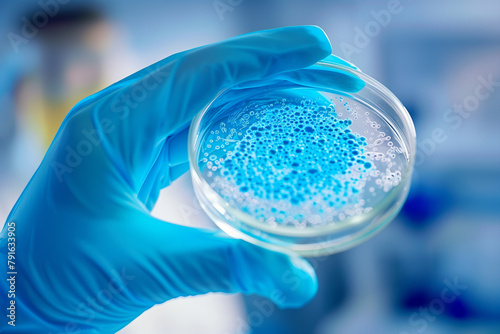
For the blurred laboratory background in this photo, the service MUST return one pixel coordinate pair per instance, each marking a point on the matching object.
(434, 270)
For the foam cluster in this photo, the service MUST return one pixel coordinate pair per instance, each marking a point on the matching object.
(290, 161)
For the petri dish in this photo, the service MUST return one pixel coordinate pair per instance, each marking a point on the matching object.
(312, 161)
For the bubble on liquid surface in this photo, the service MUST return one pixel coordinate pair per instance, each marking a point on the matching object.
(297, 162)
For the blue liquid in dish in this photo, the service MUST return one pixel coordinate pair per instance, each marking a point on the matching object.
(294, 161)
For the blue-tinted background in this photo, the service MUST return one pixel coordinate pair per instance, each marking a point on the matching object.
(435, 269)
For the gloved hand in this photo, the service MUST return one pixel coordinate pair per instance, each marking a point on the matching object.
(89, 256)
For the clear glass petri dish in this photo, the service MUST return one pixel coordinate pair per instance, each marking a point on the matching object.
(313, 161)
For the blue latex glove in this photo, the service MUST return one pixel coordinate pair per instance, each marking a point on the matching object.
(89, 256)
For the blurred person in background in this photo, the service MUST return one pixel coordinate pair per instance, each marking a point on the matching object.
(71, 49)
(69, 57)
(63, 64)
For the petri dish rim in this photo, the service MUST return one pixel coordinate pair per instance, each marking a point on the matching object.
(292, 231)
